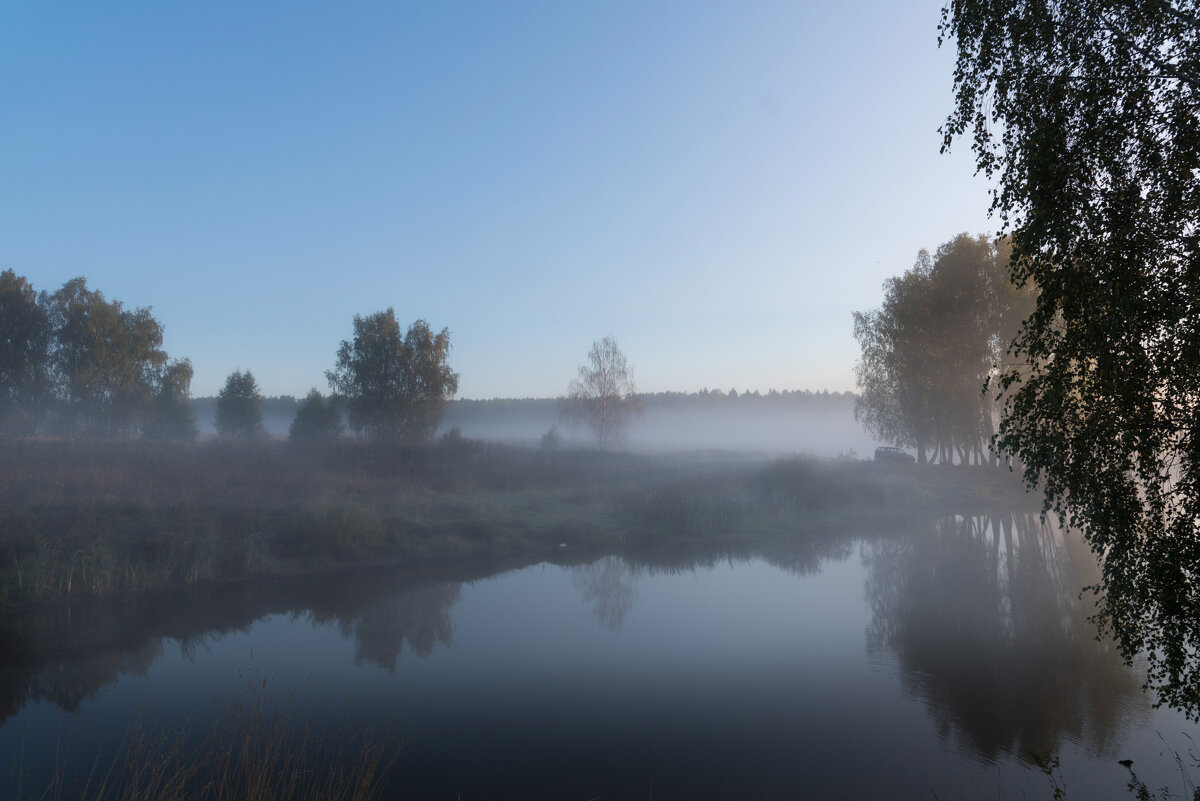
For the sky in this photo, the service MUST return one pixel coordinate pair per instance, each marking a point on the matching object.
(718, 185)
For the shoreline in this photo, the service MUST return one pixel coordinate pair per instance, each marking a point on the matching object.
(101, 519)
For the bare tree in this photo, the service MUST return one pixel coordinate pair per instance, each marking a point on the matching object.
(603, 395)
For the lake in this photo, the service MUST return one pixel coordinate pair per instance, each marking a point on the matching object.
(939, 659)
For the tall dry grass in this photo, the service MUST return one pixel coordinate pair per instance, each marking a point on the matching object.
(254, 750)
(106, 518)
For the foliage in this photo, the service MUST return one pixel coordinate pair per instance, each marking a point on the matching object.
(1087, 114)
(74, 363)
(395, 386)
(942, 329)
(239, 407)
(453, 438)
(892, 373)
(317, 419)
(105, 359)
(24, 353)
(170, 415)
(603, 395)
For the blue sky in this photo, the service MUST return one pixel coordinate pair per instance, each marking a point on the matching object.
(717, 185)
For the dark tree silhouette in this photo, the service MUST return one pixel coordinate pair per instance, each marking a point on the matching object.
(105, 359)
(395, 386)
(24, 354)
(239, 407)
(1087, 114)
(317, 420)
(170, 415)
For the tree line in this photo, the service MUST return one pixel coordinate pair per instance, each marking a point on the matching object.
(942, 332)
(75, 364)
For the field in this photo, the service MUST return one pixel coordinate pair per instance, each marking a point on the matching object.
(111, 518)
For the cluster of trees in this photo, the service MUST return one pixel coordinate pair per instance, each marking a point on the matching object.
(73, 363)
(943, 330)
(240, 412)
(1086, 114)
(393, 386)
(239, 407)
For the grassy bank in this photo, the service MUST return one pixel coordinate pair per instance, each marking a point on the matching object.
(103, 518)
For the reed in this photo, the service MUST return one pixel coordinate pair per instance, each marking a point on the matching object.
(255, 749)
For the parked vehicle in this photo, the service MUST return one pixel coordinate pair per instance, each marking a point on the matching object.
(885, 453)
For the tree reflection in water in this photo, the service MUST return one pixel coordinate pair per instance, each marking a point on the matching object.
(985, 618)
(982, 615)
(65, 653)
(67, 683)
(607, 584)
(420, 617)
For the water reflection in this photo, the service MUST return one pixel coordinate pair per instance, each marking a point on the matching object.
(69, 682)
(985, 619)
(980, 616)
(420, 617)
(64, 654)
(608, 585)
(805, 555)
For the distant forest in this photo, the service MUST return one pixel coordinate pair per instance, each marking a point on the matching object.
(821, 423)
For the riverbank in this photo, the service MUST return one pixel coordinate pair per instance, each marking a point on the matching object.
(104, 518)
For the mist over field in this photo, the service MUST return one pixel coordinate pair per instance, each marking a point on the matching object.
(776, 423)
(328, 469)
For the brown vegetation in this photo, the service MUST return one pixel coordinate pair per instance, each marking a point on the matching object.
(254, 750)
(104, 518)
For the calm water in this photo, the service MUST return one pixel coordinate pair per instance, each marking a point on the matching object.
(922, 663)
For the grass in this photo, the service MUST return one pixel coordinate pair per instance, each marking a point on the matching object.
(255, 750)
(109, 518)
(1050, 766)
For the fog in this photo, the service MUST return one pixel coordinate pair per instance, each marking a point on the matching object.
(953, 649)
(814, 423)
(975, 575)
